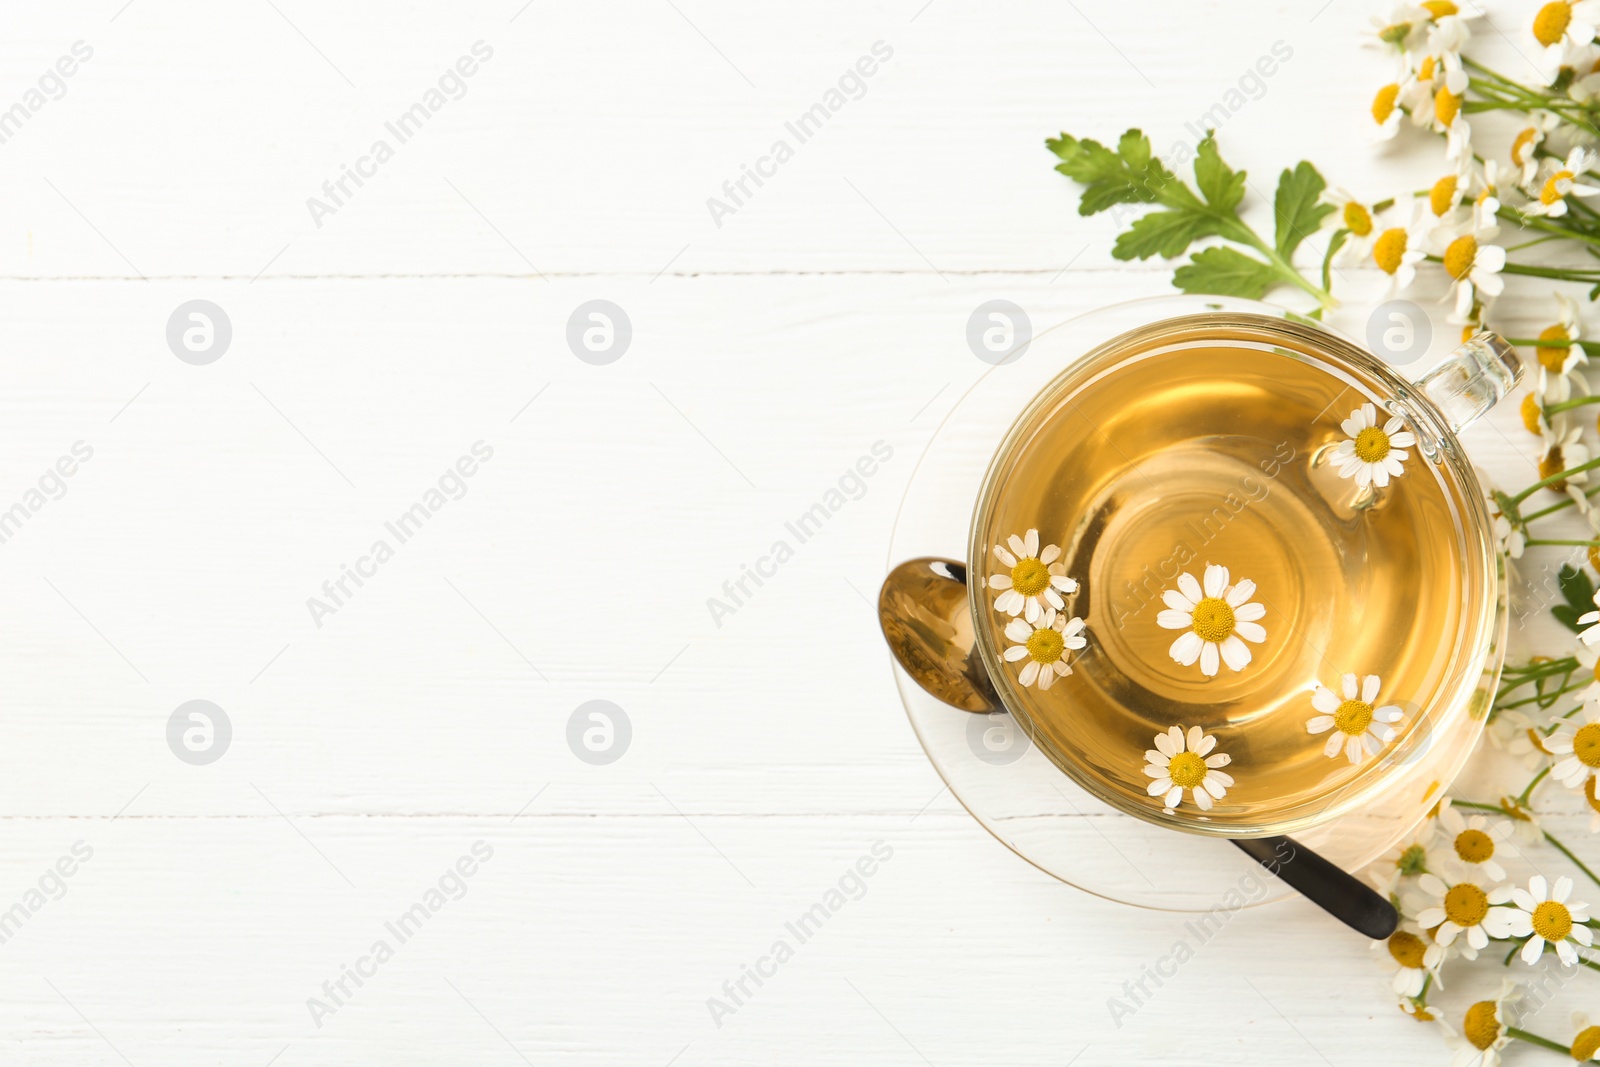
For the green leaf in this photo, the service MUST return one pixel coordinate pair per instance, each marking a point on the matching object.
(1297, 207)
(1163, 233)
(1575, 586)
(1567, 615)
(1222, 187)
(1129, 175)
(1227, 272)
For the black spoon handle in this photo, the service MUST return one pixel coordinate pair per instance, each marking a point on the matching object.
(1333, 889)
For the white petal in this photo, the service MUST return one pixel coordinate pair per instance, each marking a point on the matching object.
(1170, 743)
(1208, 659)
(1190, 588)
(1201, 798)
(1235, 652)
(1369, 688)
(1216, 579)
(1205, 746)
(1014, 653)
(1017, 630)
(1335, 743)
(1249, 612)
(1349, 686)
(1250, 631)
(1019, 546)
(1169, 619)
(1031, 541)
(1006, 558)
(1174, 796)
(1050, 554)
(1319, 724)
(1159, 786)
(1029, 672)
(1186, 649)
(1177, 601)
(1196, 735)
(1240, 593)
(1324, 700)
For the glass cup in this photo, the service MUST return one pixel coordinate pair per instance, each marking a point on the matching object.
(1224, 440)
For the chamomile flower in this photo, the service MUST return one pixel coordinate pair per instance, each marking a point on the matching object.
(1447, 118)
(1398, 249)
(1564, 179)
(1524, 823)
(1563, 451)
(1405, 28)
(1484, 1029)
(1035, 580)
(1413, 956)
(1586, 1044)
(1180, 762)
(1358, 729)
(1486, 202)
(1576, 747)
(1044, 645)
(1525, 147)
(1593, 801)
(1511, 535)
(1551, 917)
(1216, 617)
(1474, 265)
(1373, 455)
(1446, 194)
(1566, 22)
(1558, 361)
(1463, 908)
(1355, 217)
(1387, 111)
(1473, 839)
(1519, 736)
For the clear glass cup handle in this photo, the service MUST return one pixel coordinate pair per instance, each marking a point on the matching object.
(1472, 378)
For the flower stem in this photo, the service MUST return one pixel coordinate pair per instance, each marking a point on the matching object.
(1568, 405)
(1567, 852)
(1560, 541)
(1535, 1039)
(1522, 797)
(1559, 476)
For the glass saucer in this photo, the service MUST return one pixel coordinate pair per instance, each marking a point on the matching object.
(987, 761)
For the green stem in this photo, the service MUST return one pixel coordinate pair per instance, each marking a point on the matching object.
(1555, 229)
(1560, 541)
(1522, 797)
(1568, 405)
(1559, 476)
(1567, 852)
(1535, 1039)
(1545, 698)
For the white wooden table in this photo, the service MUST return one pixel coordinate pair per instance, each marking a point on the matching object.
(423, 715)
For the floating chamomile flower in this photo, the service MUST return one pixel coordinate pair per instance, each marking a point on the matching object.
(1414, 956)
(1474, 266)
(1180, 762)
(1484, 1029)
(1373, 455)
(1576, 747)
(1044, 645)
(1473, 839)
(1216, 616)
(1464, 908)
(1548, 914)
(1035, 580)
(1359, 728)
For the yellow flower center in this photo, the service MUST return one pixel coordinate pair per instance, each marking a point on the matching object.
(1213, 619)
(1446, 105)
(1538, 741)
(1482, 1024)
(1186, 769)
(1383, 103)
(1586, 1044)
(1466, 904)
(1407, 949)
(1426, 71)
(1586, 744)
(1357, 219)
(1388, 249)
(1442, 197)
(1459, 255)
(1440, 8)
(1552, 921)
(1589, 794)
(1551, 23)
(1552, 464)
(1531, 411)
(1474, 846)
(1030, 577)
(1552, 187)
(1372, 444)
(1554, 357)
(1353, 717)
(1594, 561)
(1046, 645)
(1523, 145)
